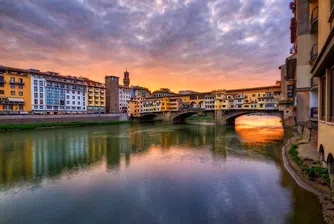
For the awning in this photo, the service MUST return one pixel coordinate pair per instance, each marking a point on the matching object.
(16, 100)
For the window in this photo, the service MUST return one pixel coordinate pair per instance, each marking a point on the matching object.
(2, 92)
(323, 98)
(35, 101)
(41, 102)
(73, 97)
(73, 102)
(290, 94)
(12, 93)
(20, 93)
(332, 95)
(41, 89)
(35, 89)
(20, 86)
(290, 87)
(20, 80)
(35, 82)
(12, 80)
(41, 83)
(12, 86)
(21, 107)
(41, 95)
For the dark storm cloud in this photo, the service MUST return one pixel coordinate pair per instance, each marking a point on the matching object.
(187, 36)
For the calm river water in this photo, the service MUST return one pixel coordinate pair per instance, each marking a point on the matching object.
(151, 173)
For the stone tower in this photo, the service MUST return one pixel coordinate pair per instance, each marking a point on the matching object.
(112, 94)
(126, 79)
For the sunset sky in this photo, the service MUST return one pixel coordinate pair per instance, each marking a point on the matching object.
(180, 44)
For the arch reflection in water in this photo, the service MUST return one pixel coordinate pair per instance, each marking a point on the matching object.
(259, 128)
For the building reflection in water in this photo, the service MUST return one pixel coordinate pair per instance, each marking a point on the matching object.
(259, 128)
(34, 154)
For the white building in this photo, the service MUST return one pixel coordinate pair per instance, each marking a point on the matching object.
(52, 93)
(124, 97)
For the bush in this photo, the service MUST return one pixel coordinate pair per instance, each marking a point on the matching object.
(317, 172)
(313, 172)
(294, 153)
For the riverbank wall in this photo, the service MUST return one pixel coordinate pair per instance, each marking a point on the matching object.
(324, 195)
(48, 119)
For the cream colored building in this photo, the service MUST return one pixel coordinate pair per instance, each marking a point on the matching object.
(322, 70)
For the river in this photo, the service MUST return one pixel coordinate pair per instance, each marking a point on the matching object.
(152, 173)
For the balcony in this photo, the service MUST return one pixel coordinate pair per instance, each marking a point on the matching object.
(313, 53)
(314, 20)
(314, 83)
(314, 113)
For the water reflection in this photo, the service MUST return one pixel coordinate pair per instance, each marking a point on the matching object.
(259, 128)
(215, 172)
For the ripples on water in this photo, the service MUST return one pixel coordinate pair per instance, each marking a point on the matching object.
(151, 173)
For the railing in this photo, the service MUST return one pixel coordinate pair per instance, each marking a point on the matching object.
(314, 20)
(313, 53)
(4, 102)
(2, 81)
(314, 112)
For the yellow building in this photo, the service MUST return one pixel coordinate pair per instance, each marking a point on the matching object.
(15, 91)
(322, 69)
(135, 107)
(95, 98)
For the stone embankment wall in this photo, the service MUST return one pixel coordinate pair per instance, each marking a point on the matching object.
(36, 119)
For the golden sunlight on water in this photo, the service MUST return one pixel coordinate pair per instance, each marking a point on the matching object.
(259, 128)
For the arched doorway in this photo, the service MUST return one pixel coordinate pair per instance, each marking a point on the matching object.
(322, 154)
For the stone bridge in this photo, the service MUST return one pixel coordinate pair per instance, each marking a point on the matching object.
(177, 116)
(224, 117)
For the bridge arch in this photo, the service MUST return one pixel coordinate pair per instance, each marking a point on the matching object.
(181, 117)
(194, 105)
(231, 116)
(330, 165)
(201, 104)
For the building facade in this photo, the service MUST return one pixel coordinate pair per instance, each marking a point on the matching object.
(112, 94)
(15, 91)
(286, 97)
(139, 91)
(322, 69)
(162, 92)
(96, 97)
(52, 93)
(124, 97)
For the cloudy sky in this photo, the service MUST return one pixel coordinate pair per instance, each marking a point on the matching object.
(180, 44)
